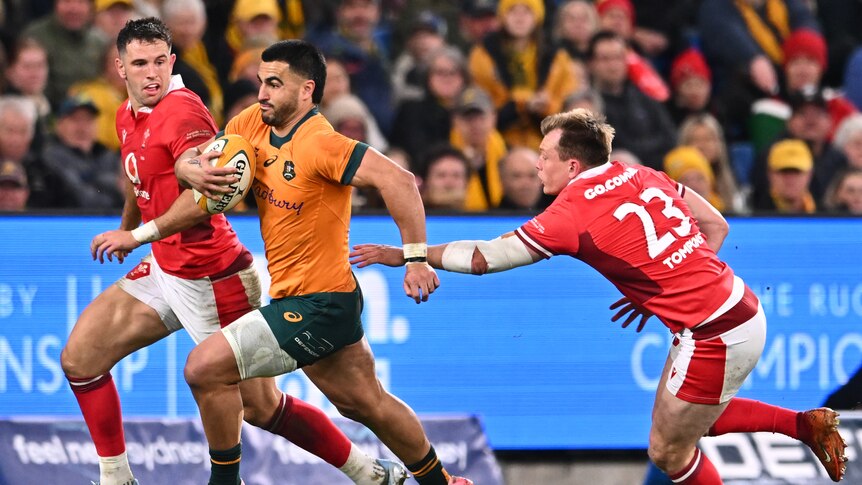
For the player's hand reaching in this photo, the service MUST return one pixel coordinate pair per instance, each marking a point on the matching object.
(110, 244)
(367, 254)
(198, 173)
(420, 280)
(626, 306)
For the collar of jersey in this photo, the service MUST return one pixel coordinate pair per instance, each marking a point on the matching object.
(278, 141)
(176, 83)
(593, 172)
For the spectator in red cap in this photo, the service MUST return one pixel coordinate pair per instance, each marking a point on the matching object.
(804, 59)
(617, 16)
(804, 64)
(691, 83)
(690, 63)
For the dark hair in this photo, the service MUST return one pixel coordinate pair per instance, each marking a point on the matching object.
(602, 36)
(438, 152)
(23, 43)
(150, 29)
(237, 90)
(585, 136)
(303, 58)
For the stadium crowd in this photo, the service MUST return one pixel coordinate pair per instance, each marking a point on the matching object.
(754, 104)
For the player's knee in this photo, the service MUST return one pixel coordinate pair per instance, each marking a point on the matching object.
(658, 457)
(254, 415)
(351, 410)
(195, 371)
(353, 406)
(75, 363)
(69, 362)
(667, 457)
(251, 415)
(257, 410)
(364, 407)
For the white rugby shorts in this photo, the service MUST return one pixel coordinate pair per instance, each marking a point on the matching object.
(202, 306)
(711, 370)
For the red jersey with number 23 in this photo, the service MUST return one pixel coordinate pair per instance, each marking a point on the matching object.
(631, 225)
(151, 140)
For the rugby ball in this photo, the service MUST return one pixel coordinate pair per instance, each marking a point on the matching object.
(238, 153)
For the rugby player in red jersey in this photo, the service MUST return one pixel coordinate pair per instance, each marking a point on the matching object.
(656, 242)
(201, 279)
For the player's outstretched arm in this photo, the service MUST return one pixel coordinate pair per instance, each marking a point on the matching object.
(194, 170)
(710, 221)
(398, 189)
(367, 254)
(473, 257)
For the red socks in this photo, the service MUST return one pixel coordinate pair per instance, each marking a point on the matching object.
(306, 426)
(100, 404)
(699, 471)
(740, 416)
(749, 416)
(310, 429)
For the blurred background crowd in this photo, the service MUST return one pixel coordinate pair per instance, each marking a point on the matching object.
(752, 103)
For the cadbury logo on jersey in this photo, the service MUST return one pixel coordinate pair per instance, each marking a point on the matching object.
(268, 196)
(610, 184)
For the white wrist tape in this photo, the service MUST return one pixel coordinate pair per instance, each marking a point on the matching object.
(415, 250)
(147, 233)
(501, 254)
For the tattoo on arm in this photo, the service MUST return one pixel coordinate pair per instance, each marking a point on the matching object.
(194, 161)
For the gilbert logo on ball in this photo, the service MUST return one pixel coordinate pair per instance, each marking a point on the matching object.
(238, 153)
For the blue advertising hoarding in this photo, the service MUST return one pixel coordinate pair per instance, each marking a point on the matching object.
(531, 351)
(174, 451)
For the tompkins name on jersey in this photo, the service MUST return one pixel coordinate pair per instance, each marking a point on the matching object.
(610, 184)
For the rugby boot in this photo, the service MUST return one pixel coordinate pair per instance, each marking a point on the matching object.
(460, 481)
(395, 472)
(825, 441)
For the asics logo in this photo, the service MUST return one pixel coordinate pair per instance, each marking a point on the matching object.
(292, 317)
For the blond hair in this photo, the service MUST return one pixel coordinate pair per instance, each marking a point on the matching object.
(725, 181)
(585, 136)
